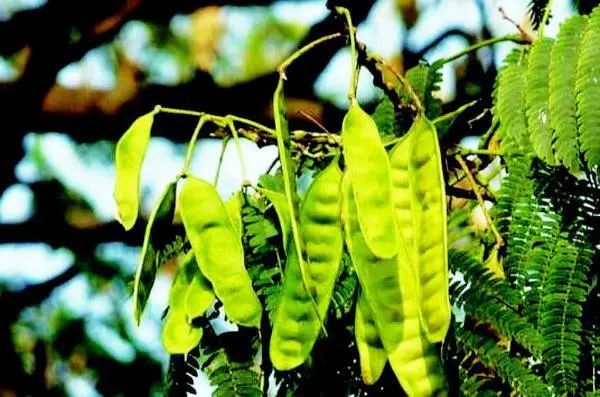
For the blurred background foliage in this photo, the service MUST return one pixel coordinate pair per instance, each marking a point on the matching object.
(74, 74)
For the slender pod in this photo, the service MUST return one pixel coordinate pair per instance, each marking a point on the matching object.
(369, 169)
(428, 205)
(281, 209)
(370, 348)
(289, 181)
(296, 325)
(234, 210)
(178, 336)
(157, 236)
(389, 286)
(129, 156)
(199, 295)
(219, 251)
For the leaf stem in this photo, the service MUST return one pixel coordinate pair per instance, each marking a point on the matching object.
(451, 115)
(475, 188)
(179, 111)
(289, 60)
(190, 149)
(221, 156)
(238, 145)
(353, 52)
(485, 43)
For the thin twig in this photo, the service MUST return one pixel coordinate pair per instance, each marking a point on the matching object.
(475, 188)
(522, 31)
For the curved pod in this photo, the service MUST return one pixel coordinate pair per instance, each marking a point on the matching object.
(370, 348)
(389, 288)
(296, 326)
(219, 251)
(369, 169)
(129, 156)
(428, 205)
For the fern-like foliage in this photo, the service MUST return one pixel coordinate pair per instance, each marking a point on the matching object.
(492, 300)
(230, 377)
(181, 374)
(537, 93)
(560, 321)
(588, 91)
(510, 103)
(510, 369)
(563, 109)
(425, 80)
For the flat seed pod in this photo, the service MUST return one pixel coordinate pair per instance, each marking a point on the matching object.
(369, 168)
(282, 210)
(234, 210)
(178, 336)
(389, 287)
(158, 234)
(428, 205)
(370, 348)
(296, 324)
(199, 295)
(218, 250)
(129, 156)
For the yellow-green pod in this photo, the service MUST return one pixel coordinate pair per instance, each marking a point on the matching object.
(218, 250)
(389, 287)
(282, 210)
(428, 204)
(295, 319)
(369, 168)
(129, 156)
(156, 238)
(296, 327)
(370, 348)
(178, 336)
(234, 210)
(199, 295)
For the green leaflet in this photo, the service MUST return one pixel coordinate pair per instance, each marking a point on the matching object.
(388, 286)
(178, 336)
(510, 107)
(563, 101)
(425, 80)
(587, 87)
(218, 250)
(296, 326)
(129, 156)
(510, 369)
(430, 242)
(536, 98)
(282, 209)
(369, 171)
(158, 235)
(370, 348)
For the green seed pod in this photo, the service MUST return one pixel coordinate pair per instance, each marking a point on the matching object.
(199, 295)
(234, 210)
(218, 250)
(389, 288)
(370, 348)
(157, 236)
(129, 156)
(296, 326)
(369, 169)
(178, 336)
(428, 205)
